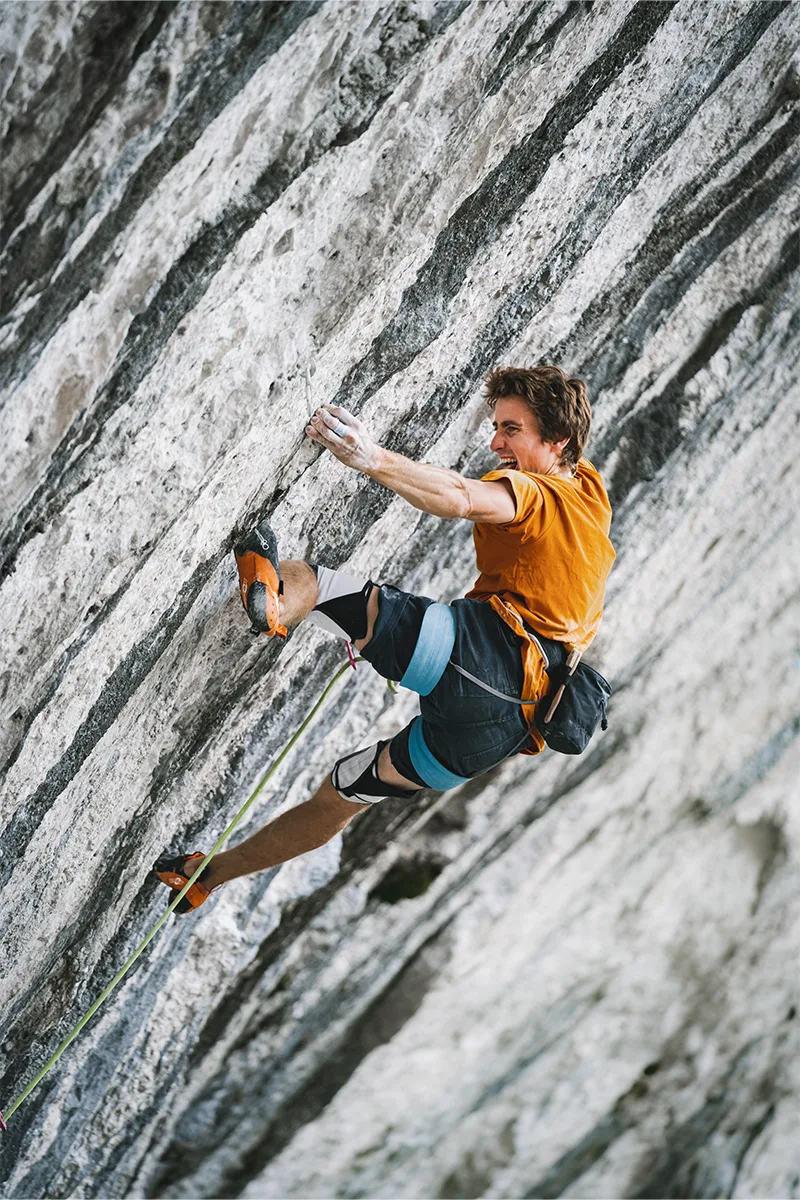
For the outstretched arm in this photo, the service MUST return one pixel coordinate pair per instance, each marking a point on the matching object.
(435, 490)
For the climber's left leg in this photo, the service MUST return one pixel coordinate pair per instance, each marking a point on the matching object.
(294, 832)
(315, 822)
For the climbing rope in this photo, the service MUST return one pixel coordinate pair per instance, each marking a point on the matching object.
(126, 966)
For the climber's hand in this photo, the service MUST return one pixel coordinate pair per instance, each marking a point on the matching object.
(345, 436)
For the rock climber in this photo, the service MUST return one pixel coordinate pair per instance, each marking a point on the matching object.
(541, 531)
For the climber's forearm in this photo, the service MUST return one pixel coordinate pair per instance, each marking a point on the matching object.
(435, 490)
(442, 492)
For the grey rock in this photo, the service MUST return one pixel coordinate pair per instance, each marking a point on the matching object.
(569, 978)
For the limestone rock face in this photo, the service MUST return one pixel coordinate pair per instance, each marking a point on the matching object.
(572, 977)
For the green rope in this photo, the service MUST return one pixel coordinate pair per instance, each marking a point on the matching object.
(87, 1016)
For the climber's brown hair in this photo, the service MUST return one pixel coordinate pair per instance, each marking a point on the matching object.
(557, 400)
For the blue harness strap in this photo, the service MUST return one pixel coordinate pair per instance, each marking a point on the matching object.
(431, 655)
(432, 652)
(428, 767)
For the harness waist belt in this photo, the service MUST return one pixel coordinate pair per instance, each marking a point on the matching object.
(435, 643)
(428, 663)
(555, 653)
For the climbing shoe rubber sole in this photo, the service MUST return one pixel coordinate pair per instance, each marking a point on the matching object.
(260, 580)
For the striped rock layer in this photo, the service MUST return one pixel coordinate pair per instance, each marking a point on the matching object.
(570, 977)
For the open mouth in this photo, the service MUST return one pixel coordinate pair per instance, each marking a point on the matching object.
(508, 463)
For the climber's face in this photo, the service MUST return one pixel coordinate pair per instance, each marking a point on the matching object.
(518, 440)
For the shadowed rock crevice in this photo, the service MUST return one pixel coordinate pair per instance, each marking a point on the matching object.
(693, 1164)
(651, 435)
(363, 840)
(481, 218)
(407, 878)
(756, 767)
(584, 1155)
(106, 47)
(114, 696)
(366, 838)
(24, 718)
(250, 35)
(376, 1026)
(767, 842)
(99, 1075)
(694, 1161)
(189, 278)
(652, 286)
(523, 47)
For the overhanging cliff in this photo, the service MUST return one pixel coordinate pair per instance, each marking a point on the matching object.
(569, 977)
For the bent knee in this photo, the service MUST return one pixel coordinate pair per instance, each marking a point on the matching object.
(389, 773)
(364, 776)
(338, 805)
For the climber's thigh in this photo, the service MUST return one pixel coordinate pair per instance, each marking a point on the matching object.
(396, 631)
(389, 773)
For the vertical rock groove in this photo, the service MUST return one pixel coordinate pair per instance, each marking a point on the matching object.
(570, 974)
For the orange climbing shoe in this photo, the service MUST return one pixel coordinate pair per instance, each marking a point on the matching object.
(175, 872)
(260, 580)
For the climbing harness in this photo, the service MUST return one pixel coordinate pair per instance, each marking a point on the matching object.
(566, 717)
(201, 865)
(426, 764)
(437, 635)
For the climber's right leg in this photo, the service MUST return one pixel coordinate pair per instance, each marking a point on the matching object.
(300, 591)
(353, 786)
(277, 594)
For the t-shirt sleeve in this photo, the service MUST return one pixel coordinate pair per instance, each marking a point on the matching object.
(527, 496)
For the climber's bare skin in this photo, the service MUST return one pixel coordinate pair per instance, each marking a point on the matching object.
(435, 490)
(317, 820)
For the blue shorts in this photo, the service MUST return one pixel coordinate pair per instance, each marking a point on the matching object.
(464, 727)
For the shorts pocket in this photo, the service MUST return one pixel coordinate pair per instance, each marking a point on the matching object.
(477, 763)
(488, 649)
(502, 680)
(470, 748)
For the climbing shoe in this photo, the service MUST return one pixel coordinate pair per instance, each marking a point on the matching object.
(175, 872)
(260, 580)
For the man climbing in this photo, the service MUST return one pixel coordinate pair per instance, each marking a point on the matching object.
(541, 524)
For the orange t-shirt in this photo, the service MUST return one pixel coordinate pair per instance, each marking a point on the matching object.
(549, 565)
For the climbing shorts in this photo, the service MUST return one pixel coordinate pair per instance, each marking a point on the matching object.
(462, 730)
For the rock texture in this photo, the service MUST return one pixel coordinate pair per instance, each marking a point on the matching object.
(569, 978)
